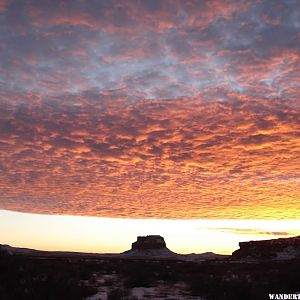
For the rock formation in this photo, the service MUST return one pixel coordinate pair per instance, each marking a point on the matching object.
(150, 245)
(149, 242)
(283, 248)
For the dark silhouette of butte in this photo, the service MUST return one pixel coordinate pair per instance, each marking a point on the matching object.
(149, 242)
(150, 245)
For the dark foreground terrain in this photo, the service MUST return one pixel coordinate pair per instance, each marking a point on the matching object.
(79, 277)
(149, 270)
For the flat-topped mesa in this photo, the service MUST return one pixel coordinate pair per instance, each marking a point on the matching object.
(283, 248)
(149, 242)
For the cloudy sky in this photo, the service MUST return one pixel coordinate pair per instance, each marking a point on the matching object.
(150, 109)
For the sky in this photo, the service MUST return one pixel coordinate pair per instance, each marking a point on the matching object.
(157, 111)
(115, 235)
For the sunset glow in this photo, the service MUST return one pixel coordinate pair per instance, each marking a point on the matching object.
(105, 235)
(182, 112)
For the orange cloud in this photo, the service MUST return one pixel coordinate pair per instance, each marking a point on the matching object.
(162, 159)
(159, 109)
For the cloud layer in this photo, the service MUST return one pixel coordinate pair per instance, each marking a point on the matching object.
(151, 109)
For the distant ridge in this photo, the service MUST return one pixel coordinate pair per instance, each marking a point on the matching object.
(154, 246)
(280, 249)
(145, 247)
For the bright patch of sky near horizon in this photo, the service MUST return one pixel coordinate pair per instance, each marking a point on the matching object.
(111, 235)
(150, 109)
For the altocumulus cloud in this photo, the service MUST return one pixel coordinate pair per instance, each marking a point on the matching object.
(150, 109)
